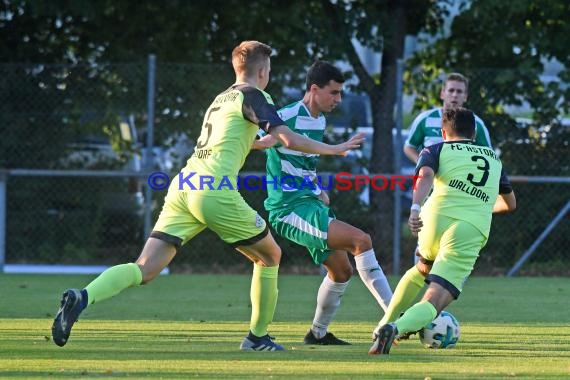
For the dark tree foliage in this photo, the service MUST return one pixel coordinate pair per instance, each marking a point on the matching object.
(71, 68)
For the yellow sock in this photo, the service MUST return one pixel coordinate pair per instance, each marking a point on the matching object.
(405, 294)
(263, 298)
(113, 281)
(416, 317)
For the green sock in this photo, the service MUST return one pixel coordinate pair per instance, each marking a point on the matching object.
(405, 294)
(263, 298)
(416, 317)
(113, 281)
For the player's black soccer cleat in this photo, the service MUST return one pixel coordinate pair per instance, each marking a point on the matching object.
(328, 340)
(383, 340)
(71, 307)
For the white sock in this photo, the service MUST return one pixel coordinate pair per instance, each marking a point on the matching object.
(373, 277)
(328, 301)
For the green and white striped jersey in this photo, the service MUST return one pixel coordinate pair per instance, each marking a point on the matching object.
(294, 174)
(426, 130)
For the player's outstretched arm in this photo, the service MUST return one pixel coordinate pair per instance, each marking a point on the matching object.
(295, 141)
(264, 142)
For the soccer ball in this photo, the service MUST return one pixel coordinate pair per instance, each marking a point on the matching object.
(442, 332)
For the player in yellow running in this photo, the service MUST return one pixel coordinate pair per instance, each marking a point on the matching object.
(469, 185)
(204, 195)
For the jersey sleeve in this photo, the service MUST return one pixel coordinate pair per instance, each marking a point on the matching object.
(504, 183)
(482, 137)
(416, 136)
(259, 110)
(429, 156)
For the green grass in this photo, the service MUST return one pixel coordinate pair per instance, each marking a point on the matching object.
(183, 326)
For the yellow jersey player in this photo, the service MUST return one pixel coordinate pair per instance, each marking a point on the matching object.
(469, 185)
(204, 195)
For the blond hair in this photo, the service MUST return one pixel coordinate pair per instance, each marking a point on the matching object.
(248, 55)
(456, 77)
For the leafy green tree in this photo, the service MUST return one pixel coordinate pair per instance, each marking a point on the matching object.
(68, 47)
(505, 57)
(503, 48)
(381, 26)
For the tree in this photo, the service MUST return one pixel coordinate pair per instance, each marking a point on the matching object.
(381, 26)
(86, 36)
(504, 64)
(503, 48)
(87, 33)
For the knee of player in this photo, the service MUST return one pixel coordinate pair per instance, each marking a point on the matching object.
(277, 251)
(342, 275)
(276, 254)
(347, 273)
(362, 242)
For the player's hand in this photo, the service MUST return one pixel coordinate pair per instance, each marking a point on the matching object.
(324, 197)
(353, 143)
(415, 223)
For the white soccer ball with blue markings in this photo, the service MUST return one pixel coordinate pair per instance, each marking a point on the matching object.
(442, 332)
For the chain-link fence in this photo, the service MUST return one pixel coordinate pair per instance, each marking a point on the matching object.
(84, 132)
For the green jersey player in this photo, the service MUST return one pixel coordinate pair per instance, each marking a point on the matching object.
(204, 195)
(469, 184)
(426, 127)
(298, 208)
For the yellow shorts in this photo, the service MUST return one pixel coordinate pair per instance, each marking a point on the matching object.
(187, 213)
(453, 245)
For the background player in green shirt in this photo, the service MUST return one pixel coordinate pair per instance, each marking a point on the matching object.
(299, 211)
(469, 185)
(426, 127)
(228, 131)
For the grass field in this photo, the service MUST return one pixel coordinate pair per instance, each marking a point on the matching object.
(184, 326)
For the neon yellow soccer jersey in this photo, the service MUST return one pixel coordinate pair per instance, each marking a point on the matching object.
(230, 126)
(468, 179)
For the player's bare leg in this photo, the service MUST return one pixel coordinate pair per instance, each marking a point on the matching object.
(343, 236)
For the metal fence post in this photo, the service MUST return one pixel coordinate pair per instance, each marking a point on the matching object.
(3, 207)
(397, 167)
(537, 242)
(149, 144)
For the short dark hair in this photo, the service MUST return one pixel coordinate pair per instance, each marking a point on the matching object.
(248, 55)
(456, 77)
(461, 122)
(321, 73)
